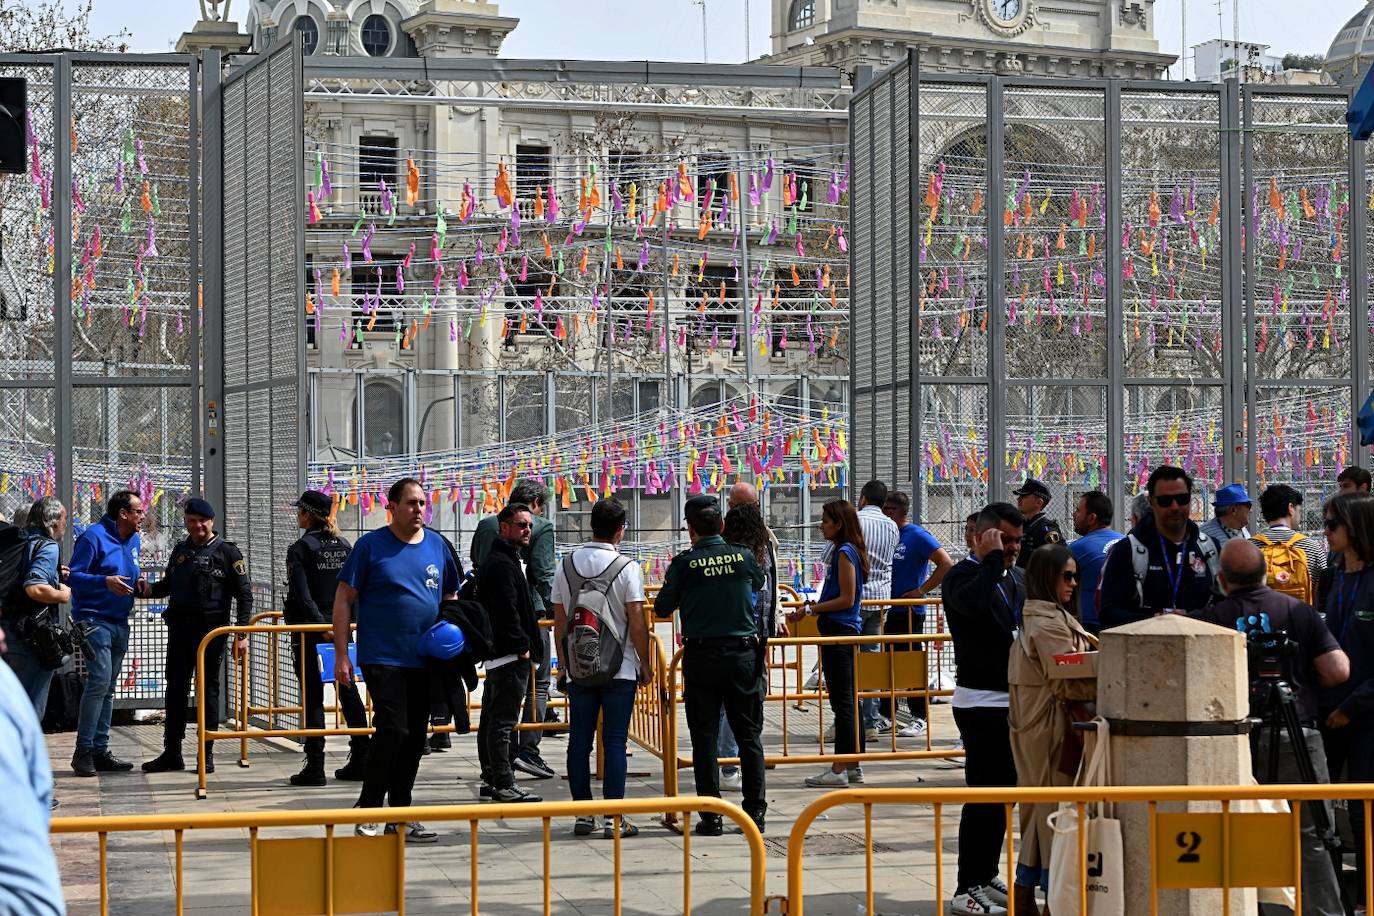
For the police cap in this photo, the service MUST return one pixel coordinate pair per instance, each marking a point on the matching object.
(699, 506)
(197, 506)
(316, 503)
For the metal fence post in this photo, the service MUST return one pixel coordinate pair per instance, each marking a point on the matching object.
(62, 280)
(914, 448)
(1359, 295)
(1115, 304)
(997, 313)
(1237, 284)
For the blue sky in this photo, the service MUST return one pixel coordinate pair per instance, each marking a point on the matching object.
(671, 29)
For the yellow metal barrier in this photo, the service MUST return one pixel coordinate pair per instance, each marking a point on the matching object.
(356, 874)
(243, 711)
(1253, 849)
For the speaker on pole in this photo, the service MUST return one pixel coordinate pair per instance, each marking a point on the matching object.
(14, 108)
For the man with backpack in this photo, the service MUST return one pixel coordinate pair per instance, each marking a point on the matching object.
(31, 601)
(105, 572)
(1166, 565)
(1295, 562)
(603, 640)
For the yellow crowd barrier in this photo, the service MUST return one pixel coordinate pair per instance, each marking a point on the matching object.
(1245, 848)
(350, 874)
(243, 711)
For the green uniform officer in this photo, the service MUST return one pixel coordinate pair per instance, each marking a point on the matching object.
(712, 587)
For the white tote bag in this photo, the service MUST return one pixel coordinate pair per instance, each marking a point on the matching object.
(1106, 888)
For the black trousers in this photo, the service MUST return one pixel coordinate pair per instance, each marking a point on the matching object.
(183, 639)
(1350, 758)
(987, 762)
(902, 620)
(837, 664)
(400, 715)
(503, 696)
(717, 677)
(312, 695)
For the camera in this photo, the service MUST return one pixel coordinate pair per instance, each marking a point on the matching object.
(50, 641)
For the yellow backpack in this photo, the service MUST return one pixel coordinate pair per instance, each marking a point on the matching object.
(1287, 566)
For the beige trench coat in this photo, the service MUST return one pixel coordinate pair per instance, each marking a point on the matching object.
(1037, 715)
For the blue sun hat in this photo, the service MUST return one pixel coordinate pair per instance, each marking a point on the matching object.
(1233, 495)
(443, 641)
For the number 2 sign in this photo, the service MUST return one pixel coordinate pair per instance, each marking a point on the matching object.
(1257, 850)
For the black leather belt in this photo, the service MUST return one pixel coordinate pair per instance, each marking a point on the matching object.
(721, 642)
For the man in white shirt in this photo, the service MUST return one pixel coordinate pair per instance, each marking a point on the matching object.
(598, 566)
(881, 537)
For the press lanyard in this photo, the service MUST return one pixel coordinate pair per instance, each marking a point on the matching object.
(1340, 598)
(1175, 574)
(1015, 613)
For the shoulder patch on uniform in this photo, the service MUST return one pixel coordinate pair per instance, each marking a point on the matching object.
(1052, 536)
(240, 567)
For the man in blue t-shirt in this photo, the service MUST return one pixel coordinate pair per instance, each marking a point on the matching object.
(396, 577)
(1092, 522)
(916, 550)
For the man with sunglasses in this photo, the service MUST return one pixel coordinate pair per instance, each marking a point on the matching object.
(1166, 565)
(104, 576)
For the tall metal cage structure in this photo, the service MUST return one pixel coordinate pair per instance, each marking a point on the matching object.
(1080, 279)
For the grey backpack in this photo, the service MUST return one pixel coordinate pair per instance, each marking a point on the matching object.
(594, 645)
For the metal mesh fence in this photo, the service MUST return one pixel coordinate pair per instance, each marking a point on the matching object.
(263, 336)
(1132, 306)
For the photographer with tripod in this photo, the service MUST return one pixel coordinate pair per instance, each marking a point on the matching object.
(1291, 654)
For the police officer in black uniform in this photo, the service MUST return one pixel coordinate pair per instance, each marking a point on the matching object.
(712, 585)
(205, 574)
(312, 576)
(1031, 499)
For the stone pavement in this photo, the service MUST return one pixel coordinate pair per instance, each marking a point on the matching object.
(142, 866)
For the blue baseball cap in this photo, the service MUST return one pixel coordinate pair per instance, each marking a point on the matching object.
(1233, 495)
(443, 641)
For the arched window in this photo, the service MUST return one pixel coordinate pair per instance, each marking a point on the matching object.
(376, 35)
(310, 34)
(802, 15)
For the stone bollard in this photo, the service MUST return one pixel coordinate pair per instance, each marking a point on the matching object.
(1169, 675)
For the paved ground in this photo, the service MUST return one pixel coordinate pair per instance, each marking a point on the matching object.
(510, 852)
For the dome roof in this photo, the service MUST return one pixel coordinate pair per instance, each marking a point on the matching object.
(1353, 50)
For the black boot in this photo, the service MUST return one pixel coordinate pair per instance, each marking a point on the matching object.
(356, 768)
(169, 760)
(440, 741)
(83, 762)
(312, 774)
(209, 756)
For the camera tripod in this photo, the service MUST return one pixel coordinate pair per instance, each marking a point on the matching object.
(1276, 702)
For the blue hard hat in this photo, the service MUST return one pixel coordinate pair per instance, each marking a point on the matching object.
(443, 641)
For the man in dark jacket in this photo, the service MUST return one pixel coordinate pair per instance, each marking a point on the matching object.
(1166, 564)
(1250, 604)
(504, 592)
(983, 596)
(312, 577)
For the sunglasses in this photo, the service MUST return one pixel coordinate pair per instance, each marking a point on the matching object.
(522, 525)
(1332, 524)
(1070, 577)
(1173, 499)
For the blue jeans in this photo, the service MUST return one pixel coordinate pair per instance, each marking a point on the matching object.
(34, 678)
(615, 702)
(726, 745)
(109, 640)
(872, 626)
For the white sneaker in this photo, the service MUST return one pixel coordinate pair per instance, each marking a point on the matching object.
(828, 779)
(871, 734)
(814, 681)
(997, 890)
(917, 729)
(884, 727)
(367, 830)
(585, 824)
(975, 902)
(855, 776)
(732, 781)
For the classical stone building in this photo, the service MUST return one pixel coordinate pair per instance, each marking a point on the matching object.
(1070, 38)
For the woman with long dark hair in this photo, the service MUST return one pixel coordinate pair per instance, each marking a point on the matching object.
(837, 614)
(1040, 700)
(1345, 714)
